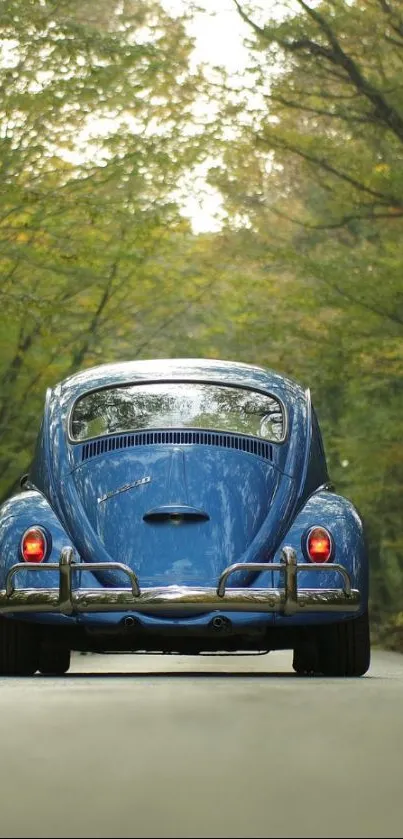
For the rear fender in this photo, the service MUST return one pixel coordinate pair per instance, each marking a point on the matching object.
(22, 511)
(344, 524)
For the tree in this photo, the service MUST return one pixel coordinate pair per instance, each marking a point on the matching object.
(89, 227)
(312, 182)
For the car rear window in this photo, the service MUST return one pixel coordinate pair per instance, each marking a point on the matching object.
(177, 405)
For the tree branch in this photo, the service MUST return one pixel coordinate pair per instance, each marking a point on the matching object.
(258, 29)
(358, 301)
(346, 116)
(335, 55)
(383, 198)
(336, 225)
(389, 114)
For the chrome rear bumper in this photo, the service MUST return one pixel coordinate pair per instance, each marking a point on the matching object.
(287, 600)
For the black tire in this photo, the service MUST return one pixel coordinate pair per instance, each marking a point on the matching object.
(305, 658)
(344, 648)
(54, 660)
(301, 664)
(19, 648)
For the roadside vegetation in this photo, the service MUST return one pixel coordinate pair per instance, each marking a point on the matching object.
(105, 122)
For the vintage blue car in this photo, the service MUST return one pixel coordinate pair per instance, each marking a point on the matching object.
(181, 506)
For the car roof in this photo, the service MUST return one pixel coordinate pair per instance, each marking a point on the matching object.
(165, 369)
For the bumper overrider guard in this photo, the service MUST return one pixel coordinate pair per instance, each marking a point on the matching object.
(287, 600)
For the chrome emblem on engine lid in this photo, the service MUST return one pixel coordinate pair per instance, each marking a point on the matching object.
(124, 488)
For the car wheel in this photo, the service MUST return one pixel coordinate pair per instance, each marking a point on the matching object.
(19, 648)
(54, 660)
(344, 648)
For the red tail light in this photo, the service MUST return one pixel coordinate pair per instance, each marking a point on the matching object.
(34, 545)
(319, 545)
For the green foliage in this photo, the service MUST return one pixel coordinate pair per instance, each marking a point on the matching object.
(316, 178)
(100, 126)
(93, 250)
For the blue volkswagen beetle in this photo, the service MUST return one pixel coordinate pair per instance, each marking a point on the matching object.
(181, 506)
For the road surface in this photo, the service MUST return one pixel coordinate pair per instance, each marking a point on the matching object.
(162, 746)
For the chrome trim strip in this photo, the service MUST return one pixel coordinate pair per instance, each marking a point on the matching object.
(288, 600)
(138, 483)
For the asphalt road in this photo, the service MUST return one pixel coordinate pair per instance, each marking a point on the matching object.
(161, 746)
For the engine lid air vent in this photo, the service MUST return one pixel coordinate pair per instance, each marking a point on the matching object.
(252, 445)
